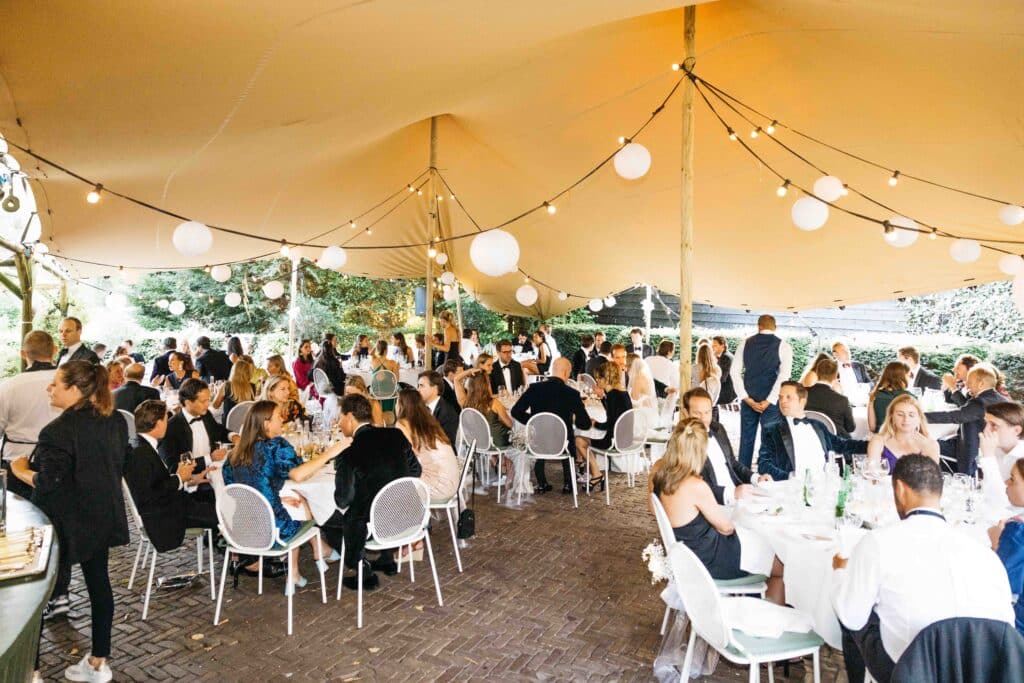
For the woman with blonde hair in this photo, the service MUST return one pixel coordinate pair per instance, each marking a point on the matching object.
(276, 366)
(904, 431)
(706, 374)
(237, 389)
(115, 374)
(282, 391)
(893, 382)
(452, 335)
(354, 384)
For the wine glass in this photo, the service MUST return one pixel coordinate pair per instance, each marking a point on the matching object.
(883, 468)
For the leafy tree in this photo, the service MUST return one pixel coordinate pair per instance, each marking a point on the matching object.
(380, 305)
(984, 312)
(489, 325)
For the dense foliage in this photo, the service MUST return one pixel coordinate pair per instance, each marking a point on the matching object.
(983, 312)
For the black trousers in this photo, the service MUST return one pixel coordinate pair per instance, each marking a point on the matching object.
(352, 531)
(200, 514)
(864, 648)
(542, 479)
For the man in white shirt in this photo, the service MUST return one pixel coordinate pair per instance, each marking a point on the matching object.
(906, 576)
(71, 337)
(663, 369)
(851, 373)
(550, 339)
(726, 476)
(25, 404)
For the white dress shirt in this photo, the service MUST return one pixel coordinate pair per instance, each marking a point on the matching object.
(1006, 461)
(916, 572)
(67, 356)
(785, 369)
(552, 345)
(200, 439)
(506, 372)
(847, 379)
(24, 410)
(807, 451)
(433, 404)
(721, 469)
(663, 369)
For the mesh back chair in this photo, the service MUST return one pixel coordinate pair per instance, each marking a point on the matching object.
(383, 385)
(452, 504)
(236, 418)
(198, 534)
(629, 438)
(399, 515)
(475, 429)
(823, 419)
(587, 381)
(247, 524)
(547, 438)
(705, 606)
(326, 391)
(130, 420)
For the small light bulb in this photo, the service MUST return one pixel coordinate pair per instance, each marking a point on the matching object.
(526, 279)
(369, 231)
(439, 198)
(412, 189)
(419, 192)
(431, 252)
(934, 235)
(622, 140)
(94, 195)
(732, 134)
(352, 224)
(754, 133)
(677, 67)
(284, 250)
(771, 127)
(451, 196)
(895, 178)
(846, 190)
(783, 189)
(550, 207)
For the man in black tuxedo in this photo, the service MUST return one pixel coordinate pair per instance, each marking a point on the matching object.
(720, 347)
(193, 429)
(129, 345)
(554, 396)
(954, 385)
(132, 393)
(604, 355)
(376, 457)
(845, 361)
(637, 345)
(506, 372)
(582, 355)
(451, 368)
(981, 385)
(166, 509)
(919, 375)
(160, 366)
(71, 339)
(824, 399)
(212, 364)
(797, 443)
(598, 341)
(728, 478)
(430, 386)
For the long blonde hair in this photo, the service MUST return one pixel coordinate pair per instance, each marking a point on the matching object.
(240, 381)
(707, 363)
(684, 456)
(888, 431)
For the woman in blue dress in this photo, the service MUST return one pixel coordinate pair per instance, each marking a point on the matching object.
(264, 460)
(1008, 541)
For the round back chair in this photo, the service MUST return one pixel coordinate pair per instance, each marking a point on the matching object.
(474, 429)
(322, 383)
(383, 384)
(399, 510)
(246, 518)
(236, 418)
(547, 437)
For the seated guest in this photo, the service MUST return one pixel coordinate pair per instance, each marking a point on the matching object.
(954, 385)
(329, 362)
(485, 362)
(822, 398)
(705, 373)
(161, 367)
(421, 348)
(1001, 438)
(264, 460)
(115, 374)
(797, 443)
(696, 518)
(302, 367)
(579, 359)
(374, 458)
(905, 576)
(616, 401)
(476, 393)
(129, 347)
(851, 373)
(379, 361)
(892, 383)
(181, 369)
(728, 478)
(449, 371)
(132, 392)
(213, 364)
(604, 354)
(429, 443)
(282, 391)
(523, 344)
(506, 373)
(554, 396)
(904, 431)
(810, 376)
(357, 385)
(920, 376)
(981, 383)
(429, 385)
(238, 389)
(1008, 541)
(166, 509)
(401, 351)
(193, 430)
(361, 348)
(276, 366)
(664, 371)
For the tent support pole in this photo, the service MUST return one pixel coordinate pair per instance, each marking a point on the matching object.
(293, 308)
(686, 204)
(428, 335)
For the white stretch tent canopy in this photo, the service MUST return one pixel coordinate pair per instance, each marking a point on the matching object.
(289, 119)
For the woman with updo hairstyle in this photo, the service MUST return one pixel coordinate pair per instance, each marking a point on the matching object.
(76, 472)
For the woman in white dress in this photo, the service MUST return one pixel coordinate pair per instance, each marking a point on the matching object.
(706, 373)
(641, 389)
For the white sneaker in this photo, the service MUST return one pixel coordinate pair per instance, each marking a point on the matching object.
(84, 671)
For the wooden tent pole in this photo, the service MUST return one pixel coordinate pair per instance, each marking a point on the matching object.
(686, 204)
(428, 336)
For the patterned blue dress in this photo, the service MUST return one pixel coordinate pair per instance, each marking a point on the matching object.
(272, 460)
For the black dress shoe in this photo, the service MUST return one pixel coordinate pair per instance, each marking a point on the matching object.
(542, 489)
(370, 580)
(566, 489)
(387, 565)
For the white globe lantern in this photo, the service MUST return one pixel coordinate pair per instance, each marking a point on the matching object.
(163, 303)
(273, 289)
(1011, 214)
(494, 253)
(130, 277)
(192, 238)
(609, 301)
(632, 161)
(1011, 264)
(232, 299)
(441, 258)
(562, 296)
(221, 273)
(176, 307)
(332, 258)
(902, 238)
(527, 295)
(450, 293)
(448, 278)
(965, 251)
(595, 305)
(809, 213)
(828, 188)
(11, 163)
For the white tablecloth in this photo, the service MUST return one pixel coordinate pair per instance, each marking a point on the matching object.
(318, 491)
(405, 375)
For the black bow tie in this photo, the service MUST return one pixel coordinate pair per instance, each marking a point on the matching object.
(196, 419)
(802, 420)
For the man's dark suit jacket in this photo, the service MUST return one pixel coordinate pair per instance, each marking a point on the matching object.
(376, 457)
(515, 371)
(160, 366)
(927, 379)
(777, 458)
(579, 362)
(178, 439)
(213, 364)
(449, 395)
(158, 497)
(449, 419)
(594, 364)
(860, 372)
(957, 398)
(728, 392)
(645, 350)
(131, 394)
(971, 418)
(738, 472)
(554, 396)
(83, 352)
(824, 399)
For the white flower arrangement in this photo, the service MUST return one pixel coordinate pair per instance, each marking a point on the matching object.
(657, 563)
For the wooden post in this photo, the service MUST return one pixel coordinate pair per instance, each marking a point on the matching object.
(293, 308)
(686, 203)
(428, 337)
(23, 264)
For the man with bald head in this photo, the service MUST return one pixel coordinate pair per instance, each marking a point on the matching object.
(133, 393)
(554, 396)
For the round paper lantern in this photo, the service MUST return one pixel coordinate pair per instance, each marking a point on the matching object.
(117, 300)
(221, 273)
(130, 277)
(176, 307)
(448, 278)
(609, 301)
(965, 251)
(3, 145)
(332, 258)
(1011, 264)
(163, 303)
(809, 213)
(192, 238)
(632, 161)
(494, 253)
(441, 258)
(11, 163)
(595, 305)
(828, 187)
(273, 289)
(232, 299)
(450, 293)
(526, 295)
(562, 296)
(902, 238)
(1018, 291)
(1011, 214)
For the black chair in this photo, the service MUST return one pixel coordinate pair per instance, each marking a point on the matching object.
(963, 650)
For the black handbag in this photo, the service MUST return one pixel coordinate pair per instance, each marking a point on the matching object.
(467, 517)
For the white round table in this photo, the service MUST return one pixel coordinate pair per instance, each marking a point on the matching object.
(405, 375)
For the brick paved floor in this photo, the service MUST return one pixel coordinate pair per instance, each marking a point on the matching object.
(548, 593)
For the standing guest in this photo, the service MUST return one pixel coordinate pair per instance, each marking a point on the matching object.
(449, 345)
(282, 391)
(449, 372)
(904, 431)
(357, 385)
(1008, 541)
(436, 353)
(762, 363)
(579, 359)
(920, 376)
(476, 394)
(161, 364)
(543, 349)
(71, 337)
(599, 339)
(421, 350)
(238, 389)
(193, 430)
(133, 392)
(78, 464)
(810, 376)
(1001, 438)
(402, 353)
(507, 372)
(954, 386)
(981, 384)
(893, 382)
(302, 367)
(720, 345)
(25, 406)
(100, 350)
(129, 347)
(470, 349)
(637, 344)
(664, 371)
(851, 373)
(706, 373)
(604, 355)
(115, 374)
(234, 349)
(822, 398)
(905, 576)
(523, 343)
(554, 396)
(429, 385)
(619, 357)
(122, 352)
(440, 467)
(329, 362)
(727, 477)
(213, 364)
(551, 341)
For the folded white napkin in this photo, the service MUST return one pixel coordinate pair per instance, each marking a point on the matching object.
(764, 619)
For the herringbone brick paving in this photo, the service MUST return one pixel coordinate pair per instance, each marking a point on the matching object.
(549, 593)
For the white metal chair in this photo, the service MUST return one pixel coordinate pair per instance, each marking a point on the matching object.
(326, 391)
(383, 385)
(196, 533)
(247, 524)
(587, 381)
(236, 418)
(451, 505)
(473, 428)
(399, 515)
(130, 420)
(823, 419)
(547, 438)
(705, 606)
(629, 438)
